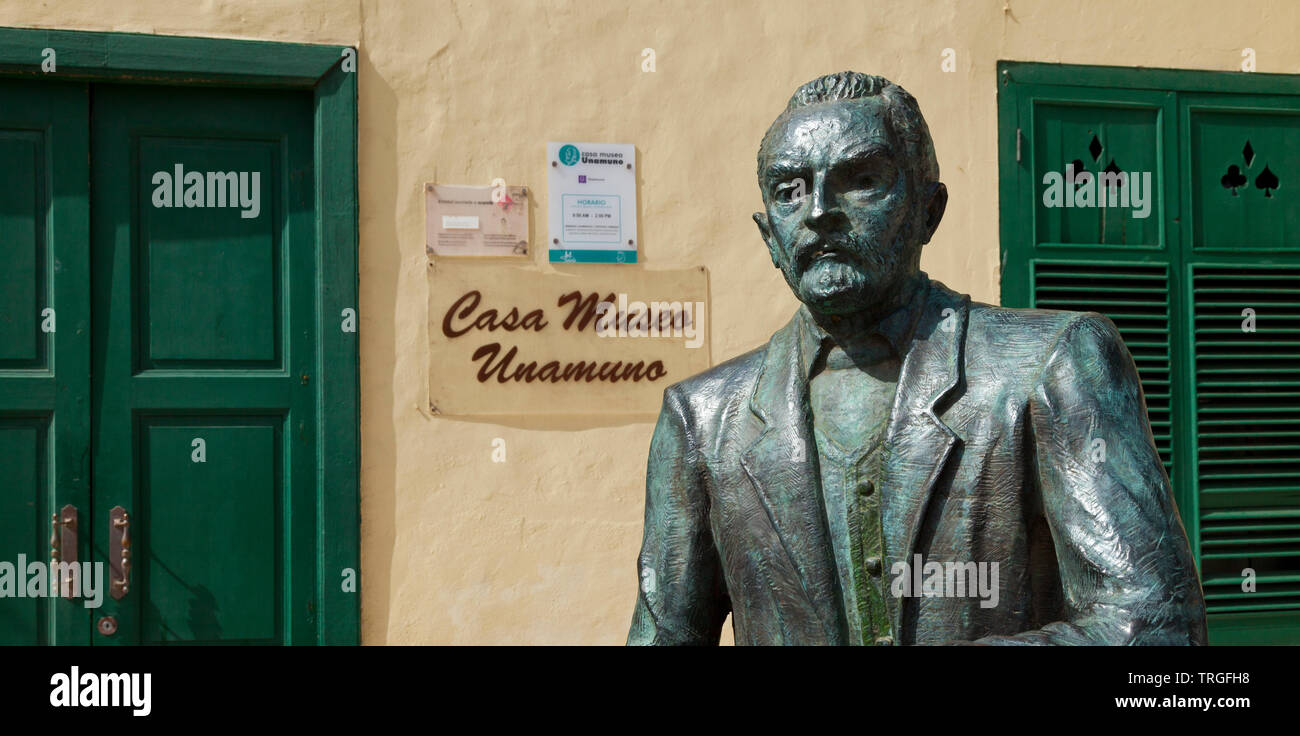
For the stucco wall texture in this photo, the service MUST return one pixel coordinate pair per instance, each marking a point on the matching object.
(541, 549)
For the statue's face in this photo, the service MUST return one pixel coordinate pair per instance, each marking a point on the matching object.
(841, 221)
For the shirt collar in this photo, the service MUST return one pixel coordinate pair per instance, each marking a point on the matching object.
(896, 328)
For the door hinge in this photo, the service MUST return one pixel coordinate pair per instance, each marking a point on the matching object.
(1018, 137)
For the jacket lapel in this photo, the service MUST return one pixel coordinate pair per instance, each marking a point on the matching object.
(919, 443)
(782, 464)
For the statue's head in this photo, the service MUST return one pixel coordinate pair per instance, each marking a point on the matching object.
(851, 191)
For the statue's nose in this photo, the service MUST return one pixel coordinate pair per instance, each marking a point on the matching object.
(822, 211)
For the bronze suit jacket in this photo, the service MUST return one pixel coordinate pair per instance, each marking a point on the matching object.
(992, 457)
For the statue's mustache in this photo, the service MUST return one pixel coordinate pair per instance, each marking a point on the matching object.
(809, 249)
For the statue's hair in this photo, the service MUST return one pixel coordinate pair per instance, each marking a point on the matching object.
(902, 113)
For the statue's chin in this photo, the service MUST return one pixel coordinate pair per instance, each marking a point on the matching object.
(834, 288)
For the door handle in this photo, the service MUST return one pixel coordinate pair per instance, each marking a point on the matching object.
(63, 549)
(119, 552)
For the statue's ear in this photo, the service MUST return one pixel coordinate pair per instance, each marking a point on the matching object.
(934, 209)
(765, 229)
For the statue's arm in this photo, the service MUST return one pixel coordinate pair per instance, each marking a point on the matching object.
(681, 595)
(1126, 568)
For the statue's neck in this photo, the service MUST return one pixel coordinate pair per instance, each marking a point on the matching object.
(854, 328)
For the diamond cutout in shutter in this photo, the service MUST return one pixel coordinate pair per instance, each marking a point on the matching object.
(1248, 154)
(1095, 148)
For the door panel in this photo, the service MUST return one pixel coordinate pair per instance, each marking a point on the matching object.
(204, 281)
(24, 524)
(44, 345)
(211, 528)
(22, 206)
(209, 293)
(1118, 135)
(1242, 167)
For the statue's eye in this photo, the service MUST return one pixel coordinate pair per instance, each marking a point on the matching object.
(873, 175)
(790, 192)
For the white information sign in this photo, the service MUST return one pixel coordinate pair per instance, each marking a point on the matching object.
(591, 202)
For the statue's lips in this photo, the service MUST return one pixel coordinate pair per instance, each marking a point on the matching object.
(818, 252)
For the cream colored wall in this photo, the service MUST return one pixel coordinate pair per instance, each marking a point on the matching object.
(541, 549)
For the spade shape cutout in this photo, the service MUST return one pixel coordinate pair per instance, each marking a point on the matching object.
(1267, 181)
(1112, 168)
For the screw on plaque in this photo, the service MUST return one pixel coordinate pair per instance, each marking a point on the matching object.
(107, 626)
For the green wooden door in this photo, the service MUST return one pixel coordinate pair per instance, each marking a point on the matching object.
(44, 346)
(204, 286)
(1205, 289)
(219, 324)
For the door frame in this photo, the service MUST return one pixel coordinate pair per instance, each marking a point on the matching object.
(146, 59)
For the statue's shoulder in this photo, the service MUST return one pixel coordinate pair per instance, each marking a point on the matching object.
(991, 316)
(1002, 326)
(732, 377)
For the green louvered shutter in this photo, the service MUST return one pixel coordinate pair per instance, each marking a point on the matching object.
(1205, 292)
(1116, 261)
(1247, 358)
(1242, 249)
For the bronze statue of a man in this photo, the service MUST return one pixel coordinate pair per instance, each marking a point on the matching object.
(899, 464)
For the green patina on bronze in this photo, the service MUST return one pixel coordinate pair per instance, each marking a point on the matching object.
(809, 487)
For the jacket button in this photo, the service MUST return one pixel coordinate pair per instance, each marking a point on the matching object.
(873, 565)
(866, 488)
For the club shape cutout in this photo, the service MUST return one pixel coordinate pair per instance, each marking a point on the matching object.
(1233, 179)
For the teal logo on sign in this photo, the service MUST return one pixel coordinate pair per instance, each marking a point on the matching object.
(568, 154)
